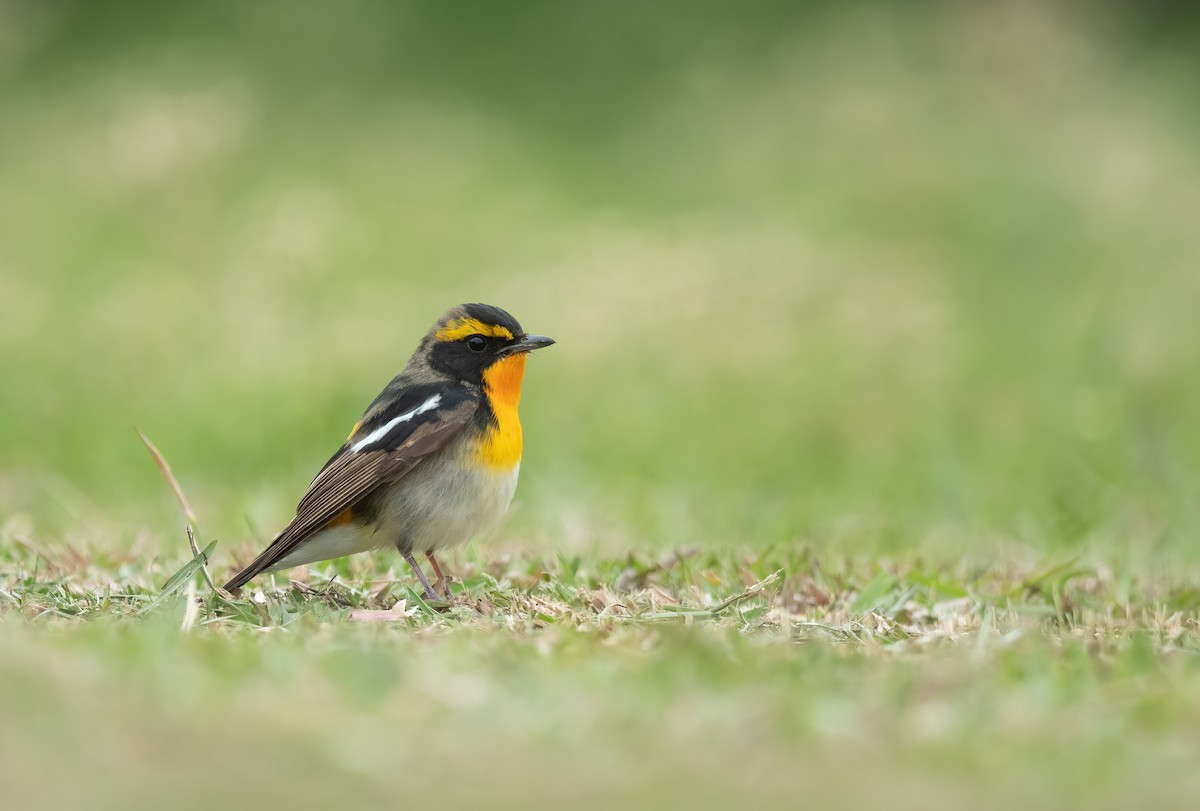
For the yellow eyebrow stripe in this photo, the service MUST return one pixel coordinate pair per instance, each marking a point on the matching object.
(460, 328)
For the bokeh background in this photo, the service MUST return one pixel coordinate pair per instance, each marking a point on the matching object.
(899, 296)
(874, 277)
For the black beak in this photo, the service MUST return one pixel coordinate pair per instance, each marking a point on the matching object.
(527, 344)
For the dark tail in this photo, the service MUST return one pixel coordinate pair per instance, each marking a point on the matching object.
(240, 579)
(268, 556)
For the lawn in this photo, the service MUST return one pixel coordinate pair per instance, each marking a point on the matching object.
(865, 470)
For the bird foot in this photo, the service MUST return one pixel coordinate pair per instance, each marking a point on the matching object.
(442, 587)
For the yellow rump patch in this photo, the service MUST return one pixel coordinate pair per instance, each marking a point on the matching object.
(501, 445)
(460, 328)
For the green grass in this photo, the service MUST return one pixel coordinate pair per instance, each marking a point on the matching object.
(695, 678)
(895, 302)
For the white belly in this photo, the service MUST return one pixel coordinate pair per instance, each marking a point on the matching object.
(446, 505)
(445, 501)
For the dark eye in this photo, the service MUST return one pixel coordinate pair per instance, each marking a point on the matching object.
(477, 343)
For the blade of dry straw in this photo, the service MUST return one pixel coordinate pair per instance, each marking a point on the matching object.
(165, 468)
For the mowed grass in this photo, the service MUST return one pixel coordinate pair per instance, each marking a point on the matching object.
(696, 678)
(864, 471)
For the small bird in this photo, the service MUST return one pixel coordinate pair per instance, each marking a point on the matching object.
(432, 462)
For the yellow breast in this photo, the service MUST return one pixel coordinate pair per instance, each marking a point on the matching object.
(501, 445)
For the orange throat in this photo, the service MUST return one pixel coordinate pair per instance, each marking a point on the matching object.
(501, 444)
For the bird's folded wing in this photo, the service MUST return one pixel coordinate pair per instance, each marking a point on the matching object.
(374, 455)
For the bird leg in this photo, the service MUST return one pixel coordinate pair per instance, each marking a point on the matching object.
(442, 583)
(429, 592)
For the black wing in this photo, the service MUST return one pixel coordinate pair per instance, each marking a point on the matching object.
(383, 448)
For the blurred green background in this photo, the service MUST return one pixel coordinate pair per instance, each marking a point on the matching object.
(883, 285)
(870, 276)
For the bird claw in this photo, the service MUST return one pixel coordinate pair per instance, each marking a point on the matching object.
(442, 587)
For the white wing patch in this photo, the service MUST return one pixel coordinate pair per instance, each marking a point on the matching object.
(383, 430)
